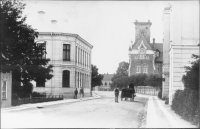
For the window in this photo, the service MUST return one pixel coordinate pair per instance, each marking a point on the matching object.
(109, 83)
(66, 78)
(4, 90)
(147, 57)
(42, 46)
(105, 83)
(157, 54)
(145, 68)
(66, 52)
(138, 69)
(136, 57)
(142, 56)
(40, 83)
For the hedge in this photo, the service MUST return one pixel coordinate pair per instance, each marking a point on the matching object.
(186, 104)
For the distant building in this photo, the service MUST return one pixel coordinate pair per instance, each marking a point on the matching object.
(145, 57)
(71, 57)
(106, 82)
(181, 37)
(6, 89)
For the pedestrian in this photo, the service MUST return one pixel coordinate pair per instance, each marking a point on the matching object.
(75, 93)
(116, 95)
(81, 93)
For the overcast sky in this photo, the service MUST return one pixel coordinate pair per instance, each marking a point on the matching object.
(107, 25)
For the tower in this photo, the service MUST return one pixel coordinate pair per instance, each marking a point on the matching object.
(142, 28)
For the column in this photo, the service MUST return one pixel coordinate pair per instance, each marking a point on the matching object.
(166, 48)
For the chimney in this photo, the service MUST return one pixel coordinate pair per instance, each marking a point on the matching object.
(148, 20)
(41, 15)
(154, 43)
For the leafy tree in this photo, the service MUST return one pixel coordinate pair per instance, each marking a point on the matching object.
(122, 70)
(120, 82)
(154, 80)
(120, 79)
(19, 52)
(191, 78)
(96, 77)
(138, 79)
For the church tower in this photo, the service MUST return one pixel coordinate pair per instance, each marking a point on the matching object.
(142, 28)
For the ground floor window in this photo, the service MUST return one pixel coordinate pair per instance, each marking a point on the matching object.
(4, 90)
(66, 78)
(40, 83)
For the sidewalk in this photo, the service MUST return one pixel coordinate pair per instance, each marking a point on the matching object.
(160, 115)
(46, 104)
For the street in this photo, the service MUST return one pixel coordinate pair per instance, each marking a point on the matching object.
(98, 113)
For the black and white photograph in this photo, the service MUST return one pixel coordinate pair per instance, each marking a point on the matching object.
(99, 64)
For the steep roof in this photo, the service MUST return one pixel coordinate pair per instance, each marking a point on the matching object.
(159, 46)
(107, 77)
(138, 42)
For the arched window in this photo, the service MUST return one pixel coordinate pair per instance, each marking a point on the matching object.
(138, 68)
(145, 68)
(66, 78)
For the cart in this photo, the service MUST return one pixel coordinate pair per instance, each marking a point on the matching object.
(127, 93)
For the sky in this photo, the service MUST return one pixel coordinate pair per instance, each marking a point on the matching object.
(107, 25)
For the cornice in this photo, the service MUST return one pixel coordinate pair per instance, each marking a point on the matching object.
(66, 34)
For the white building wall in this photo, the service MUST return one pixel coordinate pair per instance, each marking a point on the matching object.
(54, 48)
(184, 38)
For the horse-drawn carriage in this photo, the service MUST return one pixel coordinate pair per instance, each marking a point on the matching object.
(128, 93)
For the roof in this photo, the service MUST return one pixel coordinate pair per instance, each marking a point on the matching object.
(107, 77)
(159, 46)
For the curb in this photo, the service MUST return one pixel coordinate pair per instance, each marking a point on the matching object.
(47, 104)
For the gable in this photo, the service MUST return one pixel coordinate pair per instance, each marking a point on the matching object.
(142, 43)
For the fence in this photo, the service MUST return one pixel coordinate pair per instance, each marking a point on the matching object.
(36, 99)
(148, 90)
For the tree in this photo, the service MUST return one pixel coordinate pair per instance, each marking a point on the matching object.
(96, 77)
(138, 79)
(122, 70)
(120, 79)
(154, 80)
(191, 78)
(120, 82)
(19, 52)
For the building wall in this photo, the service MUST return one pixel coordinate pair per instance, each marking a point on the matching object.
(80, 70)
(7, 97)
(134, 62)
(184, 38)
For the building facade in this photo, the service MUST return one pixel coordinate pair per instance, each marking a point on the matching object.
(145, 57)
(106, 82)
(70, 56)
(181, 37)
(6, 89)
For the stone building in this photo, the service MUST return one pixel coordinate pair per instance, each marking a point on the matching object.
(145, 57)
(106, 82)
(181, 37)
(6, 89)
(71, 57)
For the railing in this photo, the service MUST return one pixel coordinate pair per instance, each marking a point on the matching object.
(20, 101)
(148, 90)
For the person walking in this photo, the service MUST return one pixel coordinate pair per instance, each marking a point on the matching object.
(75, 93)
(81, 93)
(116, 95)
